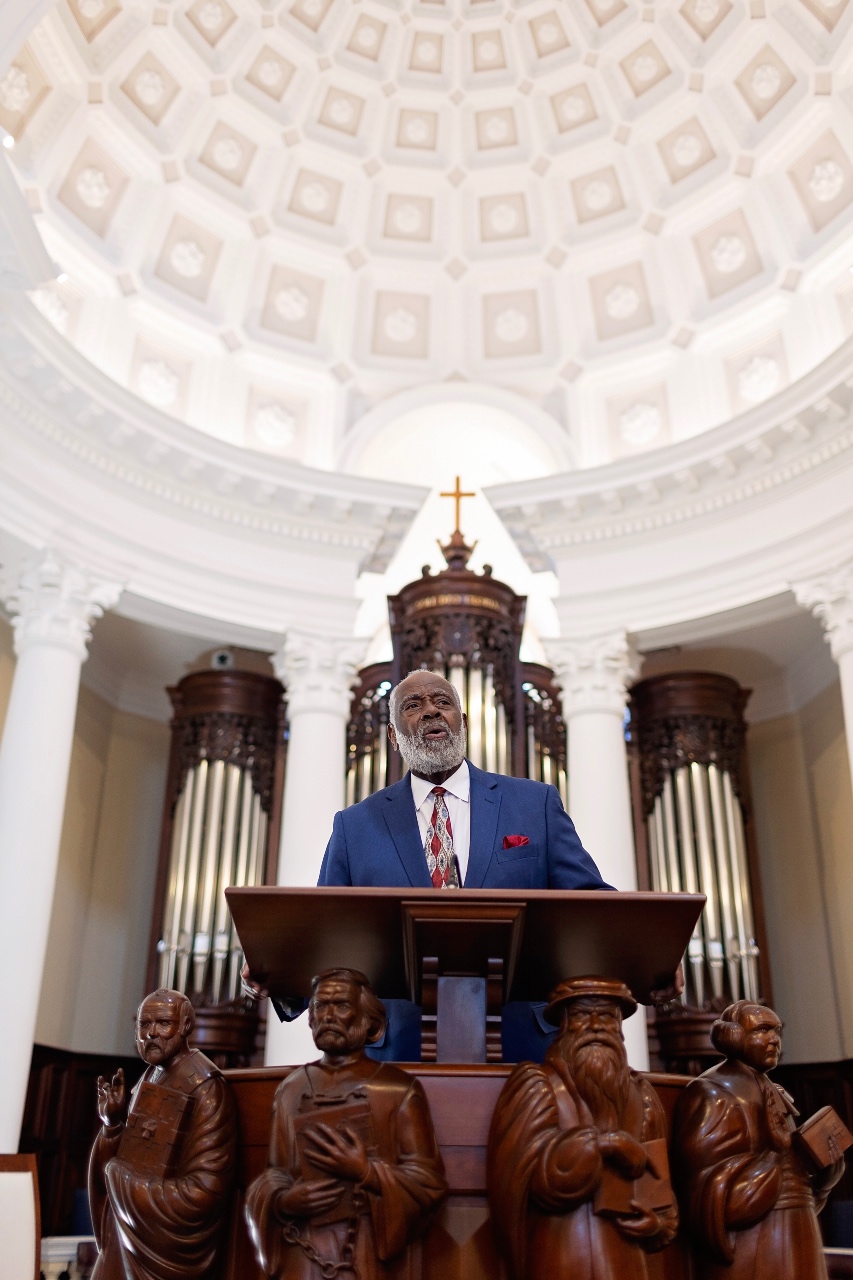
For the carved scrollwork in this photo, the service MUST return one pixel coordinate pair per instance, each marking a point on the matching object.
(465, 639)
(668, 743)
(369, 709)
(243, 740)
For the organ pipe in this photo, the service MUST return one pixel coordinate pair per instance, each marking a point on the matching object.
(220, 828)
(687, 752)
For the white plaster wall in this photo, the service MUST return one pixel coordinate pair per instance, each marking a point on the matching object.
(98, 943)
(797, 907)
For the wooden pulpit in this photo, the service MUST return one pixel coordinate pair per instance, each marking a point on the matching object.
(460, 956)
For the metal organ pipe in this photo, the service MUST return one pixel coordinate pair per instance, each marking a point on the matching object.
(688, 860)
(687, 733)
(190, 884)
(723, 860)
(227, 746)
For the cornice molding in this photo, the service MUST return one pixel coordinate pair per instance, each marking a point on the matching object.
(48, 388)
(751, 459)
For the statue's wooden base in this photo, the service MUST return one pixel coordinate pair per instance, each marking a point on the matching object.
(459, 1244)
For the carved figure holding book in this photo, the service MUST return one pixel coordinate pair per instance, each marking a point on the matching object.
(354, 1172)
(578, 1174)
(161, 1168)
(753, 1183)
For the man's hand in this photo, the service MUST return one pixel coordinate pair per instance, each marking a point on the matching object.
(672, 993)
(305, 1199)
(624, 1152)
(112, 1099)
(250, 987)
(341, 1153)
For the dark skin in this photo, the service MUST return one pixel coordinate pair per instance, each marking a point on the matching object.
(426, 702)
(427, 708)
(337, 1024)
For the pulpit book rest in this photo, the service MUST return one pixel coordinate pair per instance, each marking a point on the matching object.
(462, 955)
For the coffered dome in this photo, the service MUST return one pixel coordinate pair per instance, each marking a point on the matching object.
(270, 216)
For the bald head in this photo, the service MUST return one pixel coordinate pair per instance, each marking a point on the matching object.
(164, 1022)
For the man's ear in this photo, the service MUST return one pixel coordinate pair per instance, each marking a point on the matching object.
(186, 1026)
(465, 720)
(392, 736)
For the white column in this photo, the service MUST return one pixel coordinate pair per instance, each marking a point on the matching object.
(594, 673)
(319, 673)
(53, 609)
(830, 598)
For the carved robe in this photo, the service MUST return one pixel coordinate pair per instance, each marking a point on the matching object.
(546, 1226)
(151, 1227)
(749, 1199)
(405, 1158)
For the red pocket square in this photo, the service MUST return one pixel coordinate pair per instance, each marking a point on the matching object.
(514, 842)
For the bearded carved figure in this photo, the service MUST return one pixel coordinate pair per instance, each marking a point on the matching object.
(578, 1178)
(354, 1171)
(752, 1182)
(162, 1166)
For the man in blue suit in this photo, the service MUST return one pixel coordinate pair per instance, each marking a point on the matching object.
(450, 825)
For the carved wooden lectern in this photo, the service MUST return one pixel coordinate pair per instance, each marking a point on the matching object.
(462, 956)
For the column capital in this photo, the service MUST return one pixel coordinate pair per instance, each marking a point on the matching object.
(318, 671)
(829, 596)
(55, 603)
(593, 671)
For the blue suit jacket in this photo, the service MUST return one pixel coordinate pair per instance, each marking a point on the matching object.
(377, 842)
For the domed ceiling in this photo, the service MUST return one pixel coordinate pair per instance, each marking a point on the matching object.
(269, 216)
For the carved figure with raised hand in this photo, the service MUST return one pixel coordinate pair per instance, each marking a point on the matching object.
(752, 1183)
(354, 1172)
(578, 1175)
(162, 1165)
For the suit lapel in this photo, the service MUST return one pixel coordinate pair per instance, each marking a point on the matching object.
(402, 822)
(485, 808)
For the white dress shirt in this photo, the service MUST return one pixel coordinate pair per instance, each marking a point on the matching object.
(458, 801)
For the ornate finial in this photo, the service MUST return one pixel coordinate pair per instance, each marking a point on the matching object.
(457, 494)
(456, 552)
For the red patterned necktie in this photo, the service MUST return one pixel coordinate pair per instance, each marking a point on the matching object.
(441, 863)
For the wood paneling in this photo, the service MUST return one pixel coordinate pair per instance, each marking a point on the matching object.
(60, 1123)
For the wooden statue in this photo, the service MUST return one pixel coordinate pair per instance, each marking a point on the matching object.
(578, 1177)
(354, 1168)
(161, 1170)
(752, 1185)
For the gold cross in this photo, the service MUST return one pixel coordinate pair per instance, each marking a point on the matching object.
(458, 495)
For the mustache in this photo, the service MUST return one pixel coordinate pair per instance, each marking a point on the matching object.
(422, 754)
(605, 1038)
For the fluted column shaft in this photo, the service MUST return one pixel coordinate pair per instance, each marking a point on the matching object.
(594, 672)
(53, 609)
(829, 597)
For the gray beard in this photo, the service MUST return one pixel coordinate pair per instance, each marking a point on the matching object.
(423, 757)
